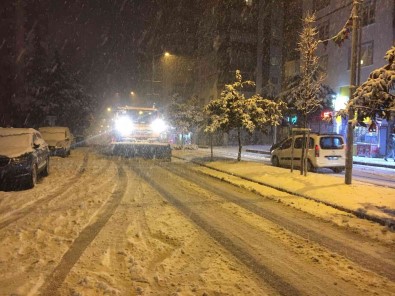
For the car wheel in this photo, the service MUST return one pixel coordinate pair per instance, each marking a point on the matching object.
(46, 169)
(275, 161)
(310, 167)
(32, 181)
(337, 170)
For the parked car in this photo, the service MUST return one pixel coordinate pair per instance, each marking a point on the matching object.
(23, 156)
(58, 138)
(276, 145)
(325, 151)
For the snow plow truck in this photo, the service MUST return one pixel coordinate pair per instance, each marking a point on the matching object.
(139, 132)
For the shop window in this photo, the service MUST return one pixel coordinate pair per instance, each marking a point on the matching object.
(368, 12)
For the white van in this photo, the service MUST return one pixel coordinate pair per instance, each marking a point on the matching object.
(59, 139)
(325, 151)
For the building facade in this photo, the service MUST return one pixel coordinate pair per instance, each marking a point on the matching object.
(377, 36)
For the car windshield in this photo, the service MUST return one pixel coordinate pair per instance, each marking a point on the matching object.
(140, 116)
(53, 136)
(15, 141)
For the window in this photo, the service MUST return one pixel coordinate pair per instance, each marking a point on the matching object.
(331, 143)
(274, 61)
(366, 54)
(299, 143)
(320, 4)
(368, 12)
(323, 31)
(286, 144)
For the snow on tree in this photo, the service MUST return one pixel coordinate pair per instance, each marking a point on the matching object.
(375, 97)
(184, 114)
(52, 90)
(306, 93)
(232, 110)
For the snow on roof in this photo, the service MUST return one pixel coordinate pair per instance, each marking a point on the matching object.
(9, 131)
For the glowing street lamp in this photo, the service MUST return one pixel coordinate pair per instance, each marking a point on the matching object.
(165, 54)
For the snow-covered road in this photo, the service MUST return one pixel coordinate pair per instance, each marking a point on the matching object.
(107, 226)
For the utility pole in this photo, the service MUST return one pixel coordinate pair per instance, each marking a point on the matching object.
(353, 81)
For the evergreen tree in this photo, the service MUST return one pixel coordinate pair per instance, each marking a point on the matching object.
(306, 93)
(33, 108)
(374, 97)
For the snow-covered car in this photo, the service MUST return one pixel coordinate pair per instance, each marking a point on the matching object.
(23, 156)
(325, 151)
(59, 139)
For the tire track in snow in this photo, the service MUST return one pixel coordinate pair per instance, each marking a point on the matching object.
(375, 264)
(264, 272)
(87, 235)
(29, 209)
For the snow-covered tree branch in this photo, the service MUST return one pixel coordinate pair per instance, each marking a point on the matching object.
(232, 110)
(376, 97)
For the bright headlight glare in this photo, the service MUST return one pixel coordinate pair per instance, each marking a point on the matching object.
(158, 125)
(124, 125)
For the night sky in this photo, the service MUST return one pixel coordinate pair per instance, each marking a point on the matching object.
(106, 42)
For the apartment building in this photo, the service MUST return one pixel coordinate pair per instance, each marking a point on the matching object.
(227, 41)
(377, 36)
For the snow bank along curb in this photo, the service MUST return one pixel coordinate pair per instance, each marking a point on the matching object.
(388, 222)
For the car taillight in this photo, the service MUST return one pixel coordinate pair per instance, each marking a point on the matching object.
(317, 151)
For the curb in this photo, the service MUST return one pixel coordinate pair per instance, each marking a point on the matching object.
(390, 223)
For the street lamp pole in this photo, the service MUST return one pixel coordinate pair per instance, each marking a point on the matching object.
(166, 54)
(353, 81)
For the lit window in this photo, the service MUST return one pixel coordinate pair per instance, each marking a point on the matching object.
(366, 54)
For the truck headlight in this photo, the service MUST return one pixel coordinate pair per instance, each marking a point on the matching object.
(158, 125)
(124, 125)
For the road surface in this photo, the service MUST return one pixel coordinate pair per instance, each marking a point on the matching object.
(109, 226)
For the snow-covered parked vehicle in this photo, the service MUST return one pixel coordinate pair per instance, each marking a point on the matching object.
(23, 156)
(59, 139)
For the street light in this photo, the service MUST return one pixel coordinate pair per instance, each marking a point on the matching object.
(165, 54)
